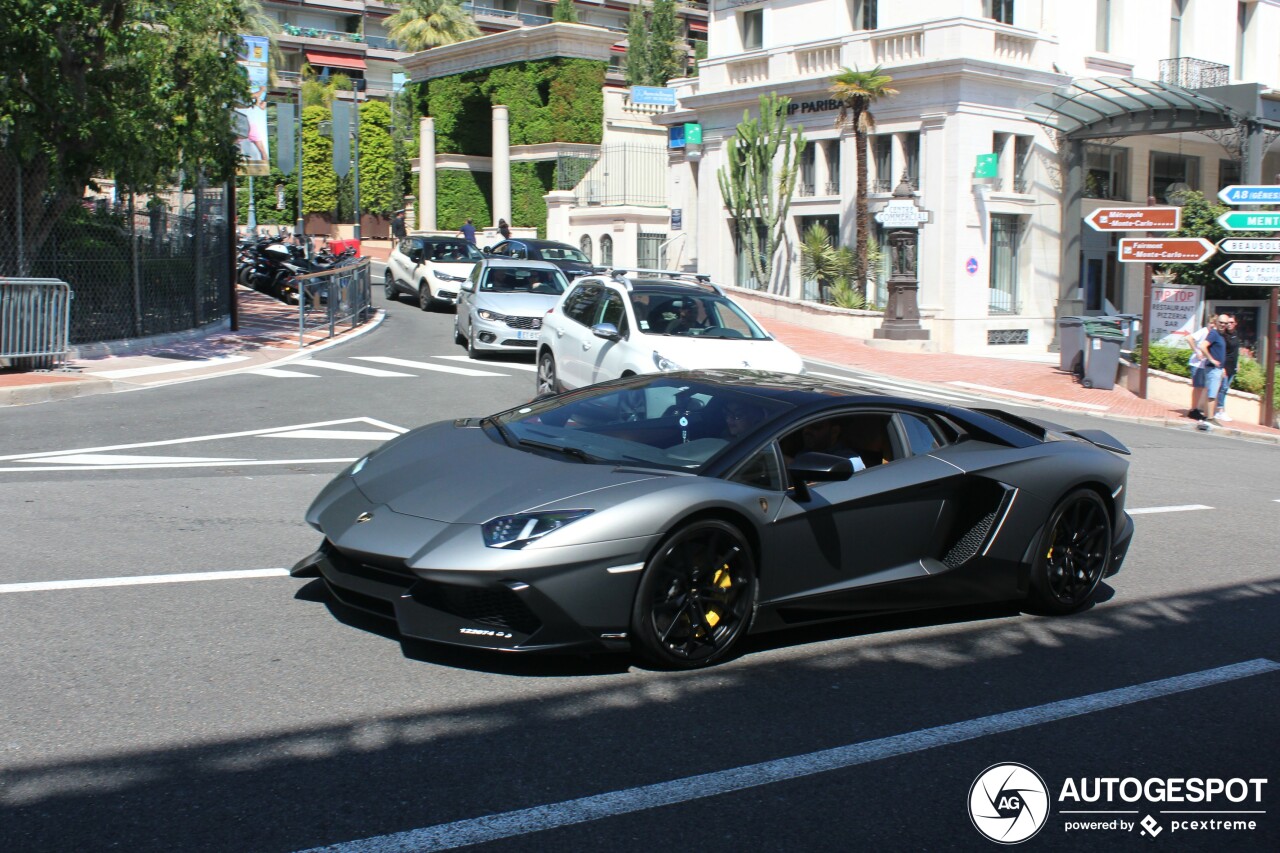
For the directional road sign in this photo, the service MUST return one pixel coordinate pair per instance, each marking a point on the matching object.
(1245, 246)
(1135, 219)
(1171, 250)
(1237, 194)
(1249, 272)
(1248, 220)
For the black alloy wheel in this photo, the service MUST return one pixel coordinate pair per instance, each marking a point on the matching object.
(472, 352)
(548, 383)
(458, 338)
(1073, 555)
(697, 596)
(425, 302)
(389, 288)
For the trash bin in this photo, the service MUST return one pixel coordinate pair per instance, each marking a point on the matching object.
(1104, 337)
(1131, 324)
(1071, 345)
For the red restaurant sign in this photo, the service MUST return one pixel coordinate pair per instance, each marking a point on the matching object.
(1135, 219)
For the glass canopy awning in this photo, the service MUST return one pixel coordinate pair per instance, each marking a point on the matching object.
(1127, 106)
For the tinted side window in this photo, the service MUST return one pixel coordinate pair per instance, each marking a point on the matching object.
(922, 436)
(761, 470)
(579, 304)
(613, 311)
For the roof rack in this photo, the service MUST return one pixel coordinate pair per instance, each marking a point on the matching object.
(701, 279)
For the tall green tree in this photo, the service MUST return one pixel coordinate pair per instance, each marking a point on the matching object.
(131, 88)
(666, 52)
(423, 24)
(564, 12)
(759, 180)
(636, 68)
(379, 193)
(857, 91)
(319, 183)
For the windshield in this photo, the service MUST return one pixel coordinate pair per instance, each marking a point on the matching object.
(701, 316)
(562, 253)
(667, 422)
(451, 252)
(520, 280)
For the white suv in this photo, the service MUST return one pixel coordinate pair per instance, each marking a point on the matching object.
(430, 266)
(650, 321)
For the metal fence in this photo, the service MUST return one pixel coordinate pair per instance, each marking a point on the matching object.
(333, 298)
(34, 318)
(135, 269)
(617, 175)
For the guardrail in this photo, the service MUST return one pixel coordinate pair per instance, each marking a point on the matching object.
(333, 297)
(35, 320)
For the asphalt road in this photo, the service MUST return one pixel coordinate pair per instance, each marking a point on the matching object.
(245, 713)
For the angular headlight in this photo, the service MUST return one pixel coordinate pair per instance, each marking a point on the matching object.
(492, 316)
(516, 531)
(663, 363)
(444, 276)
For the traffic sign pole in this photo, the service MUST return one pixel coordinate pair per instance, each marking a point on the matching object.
(1269, 389)
(1144, 364)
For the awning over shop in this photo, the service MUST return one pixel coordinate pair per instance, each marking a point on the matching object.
(1127, 106)
(334, 60)
(698, 26)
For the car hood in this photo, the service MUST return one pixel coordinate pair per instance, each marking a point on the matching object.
(461, 269)
(517, 304)
(457, 474)
(711, 353)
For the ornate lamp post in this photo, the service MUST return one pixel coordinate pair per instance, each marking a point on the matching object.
(902, 314)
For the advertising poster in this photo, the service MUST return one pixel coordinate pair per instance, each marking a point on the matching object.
(1175, 313)
(251, 120)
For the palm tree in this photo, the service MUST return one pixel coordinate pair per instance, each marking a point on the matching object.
(857, 91)
(422, 24)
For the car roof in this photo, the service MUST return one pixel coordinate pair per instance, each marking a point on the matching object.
(541, 244)
(508, 263)
(434, 234)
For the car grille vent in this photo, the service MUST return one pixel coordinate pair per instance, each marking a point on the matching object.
(970, 542)
(524, 322)
(515, 343)
(499, 607)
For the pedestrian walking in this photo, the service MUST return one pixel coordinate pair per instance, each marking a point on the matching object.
(468, 231)
(1227, 328)
(397, 226)
(504, 229)
(1214, 351)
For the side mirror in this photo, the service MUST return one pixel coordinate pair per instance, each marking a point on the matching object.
(487, 250)
(814, 467)
(469, 286)
(417, 255)
(609, 332)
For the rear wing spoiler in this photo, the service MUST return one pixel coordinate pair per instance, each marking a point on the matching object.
(1098, 438)
(1041, 430)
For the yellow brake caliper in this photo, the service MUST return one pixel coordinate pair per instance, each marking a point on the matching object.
(722, 580)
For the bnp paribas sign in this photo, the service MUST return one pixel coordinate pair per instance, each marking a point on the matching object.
(822, 106)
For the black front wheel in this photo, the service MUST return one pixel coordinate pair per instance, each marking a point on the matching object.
(1073, 554)
(389, 288)
(548, 382)
(697, 596)
(425, 301)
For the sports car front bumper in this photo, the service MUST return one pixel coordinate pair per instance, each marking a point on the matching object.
(574, 607)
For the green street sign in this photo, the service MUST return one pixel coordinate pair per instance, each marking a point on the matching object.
(1247, 220)
(693, 133)
(988, 166)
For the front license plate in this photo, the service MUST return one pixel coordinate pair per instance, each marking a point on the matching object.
(527, 335)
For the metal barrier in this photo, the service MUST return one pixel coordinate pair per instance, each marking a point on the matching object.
(332, 297)
(35, 320)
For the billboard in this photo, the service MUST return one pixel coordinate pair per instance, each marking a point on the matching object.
(251, 120)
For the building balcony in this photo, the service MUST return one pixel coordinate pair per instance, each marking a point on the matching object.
(948, 39)
(1193, 73)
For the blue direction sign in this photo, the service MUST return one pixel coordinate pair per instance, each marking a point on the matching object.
(657, 95)
(1248, 220)
(1244, 194)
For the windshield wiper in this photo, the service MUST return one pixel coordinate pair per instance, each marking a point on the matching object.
(503, 432)
(571, 452)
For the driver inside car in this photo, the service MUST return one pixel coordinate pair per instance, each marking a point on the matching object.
(692, 315)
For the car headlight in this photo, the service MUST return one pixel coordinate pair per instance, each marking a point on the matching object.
(491, 316)
(516, 531)
(663, 363)
(444, 276)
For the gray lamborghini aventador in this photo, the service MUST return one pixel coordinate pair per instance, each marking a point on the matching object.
(673, 514)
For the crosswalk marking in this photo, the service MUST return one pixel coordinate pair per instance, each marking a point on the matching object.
(890, 386)
(514, 365)
(1032, 397)
(117, 459)
(128, 373)
(283, 374)
(366, 435)
(423, 365)
(349, 368)
(1150, 510)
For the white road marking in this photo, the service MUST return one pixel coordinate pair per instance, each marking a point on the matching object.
(141, 580)
(889, 384)
(127, 373)
(364, 435)
(571, 812)
(281, 373)
(238, 463)
(193, 439)
(349, 368)
(115, 459)
(1035, 397)
(424, 365)
(1149, 510)
(514, 365)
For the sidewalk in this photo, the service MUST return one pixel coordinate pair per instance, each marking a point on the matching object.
(268, 335)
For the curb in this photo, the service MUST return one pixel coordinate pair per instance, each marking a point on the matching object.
(48, 392)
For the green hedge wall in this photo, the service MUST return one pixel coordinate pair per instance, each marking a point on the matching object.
(461, 194)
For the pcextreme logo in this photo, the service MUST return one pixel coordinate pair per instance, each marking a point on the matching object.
(1008, 803)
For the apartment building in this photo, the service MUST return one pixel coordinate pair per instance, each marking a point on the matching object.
(998, 259)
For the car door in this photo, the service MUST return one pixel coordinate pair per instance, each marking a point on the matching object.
(608, 358)
(573, 335)
(467, 298)
(850, 544)
(402, 263)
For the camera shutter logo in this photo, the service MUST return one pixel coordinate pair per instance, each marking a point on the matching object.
(1008, 803)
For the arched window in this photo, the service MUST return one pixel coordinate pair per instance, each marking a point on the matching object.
(606, 250)
(585, 245)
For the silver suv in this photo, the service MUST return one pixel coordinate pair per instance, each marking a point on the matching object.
(430, 266)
